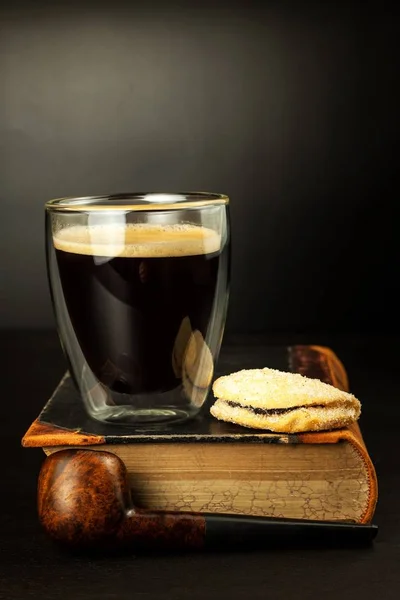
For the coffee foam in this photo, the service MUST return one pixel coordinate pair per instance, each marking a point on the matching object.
(138, 240)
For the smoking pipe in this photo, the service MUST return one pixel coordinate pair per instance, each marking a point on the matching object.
(84, 501)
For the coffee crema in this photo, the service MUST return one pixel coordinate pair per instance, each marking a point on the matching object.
(138, 240)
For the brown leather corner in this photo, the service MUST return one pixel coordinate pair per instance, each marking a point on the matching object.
(40, 435)
(352, 435)
(319, 362)
(335, 365)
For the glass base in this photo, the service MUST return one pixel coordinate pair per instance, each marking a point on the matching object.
(146, 410)
(127, 415)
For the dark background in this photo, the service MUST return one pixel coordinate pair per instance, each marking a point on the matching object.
(289, 109)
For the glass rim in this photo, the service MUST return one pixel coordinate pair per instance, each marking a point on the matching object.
(137, 201)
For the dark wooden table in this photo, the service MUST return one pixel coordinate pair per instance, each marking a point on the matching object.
(31, 567)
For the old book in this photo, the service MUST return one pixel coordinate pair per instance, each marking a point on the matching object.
(206, 465)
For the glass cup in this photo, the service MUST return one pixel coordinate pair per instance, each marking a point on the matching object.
(140, 284)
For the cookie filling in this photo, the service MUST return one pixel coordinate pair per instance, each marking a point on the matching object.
(270, 411)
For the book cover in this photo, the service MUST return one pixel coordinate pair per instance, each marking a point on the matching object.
(207, 464)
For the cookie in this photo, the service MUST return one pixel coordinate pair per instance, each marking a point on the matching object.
(282, 402)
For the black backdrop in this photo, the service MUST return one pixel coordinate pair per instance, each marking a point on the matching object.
(289, 109)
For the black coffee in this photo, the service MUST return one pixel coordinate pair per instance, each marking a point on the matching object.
(130, 290)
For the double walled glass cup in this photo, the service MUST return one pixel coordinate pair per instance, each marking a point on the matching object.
(139, 284)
